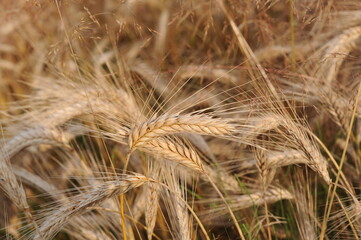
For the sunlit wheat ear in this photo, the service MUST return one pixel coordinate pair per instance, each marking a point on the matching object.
(296, 135)
(55, 220)
(339, 108)
(34, 136)
(170, 124)
(175, 151)
(151, 209)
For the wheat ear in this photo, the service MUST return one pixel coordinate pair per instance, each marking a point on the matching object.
(170, 124)
(41, 185)
(180, 220)
(297, 135)
(239, 202)
(266, 173)
(152, 200)
(15, 191)
(33, 136)
(11, 186)
(341, 45)
(262, 124)
(277, 159)
(151, 207)
(271, 195)
(174, 151)
(59, 217)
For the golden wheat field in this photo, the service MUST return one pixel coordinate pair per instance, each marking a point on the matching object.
(180, 119)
